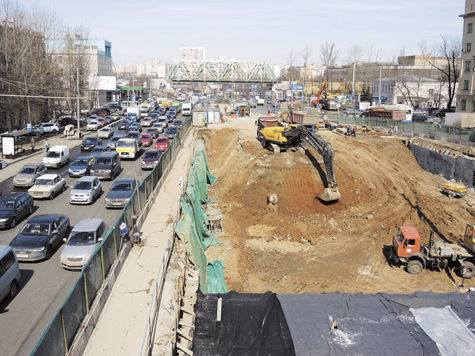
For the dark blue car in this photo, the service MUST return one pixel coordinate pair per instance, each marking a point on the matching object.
(80, 167)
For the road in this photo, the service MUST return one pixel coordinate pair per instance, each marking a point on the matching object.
(45, 284)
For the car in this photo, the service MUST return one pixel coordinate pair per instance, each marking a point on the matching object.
(96, 151)
(135, 127)
(102, 122)
(160, 126)
(171, 116)
(253, 103)
(90, 142)
(113, 141)
(50, 127)
(106, 165)
(178, 123)
(81, 166)
(40, 237)
(93, 125)
(100, 112)
(134, 135)
(162, 110)
(83, 240)
(150, 159)
(154, 115)
(105, 132)
(148, 121)
(14, 207)
(10, 276)
(171, 131)
(162, 143)
(146, 139)
(27, 175)
(131, 116)
(47, 186)
(56, 156)
(86, 190)
(123, 124)
(128, 147)
(153, 131)
(120, 192)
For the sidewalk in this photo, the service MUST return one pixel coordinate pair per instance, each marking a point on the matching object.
(14, 165)
(122, 323)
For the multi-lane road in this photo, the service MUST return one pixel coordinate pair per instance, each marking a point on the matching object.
(45, 284)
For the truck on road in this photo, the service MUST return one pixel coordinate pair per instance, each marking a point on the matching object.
(408, 250)
(186, 109)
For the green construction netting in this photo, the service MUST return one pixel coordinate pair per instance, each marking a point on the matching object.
(193, 224)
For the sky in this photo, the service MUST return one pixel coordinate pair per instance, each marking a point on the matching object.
(259, 29)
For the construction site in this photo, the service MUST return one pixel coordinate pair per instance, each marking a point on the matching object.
(301, 244)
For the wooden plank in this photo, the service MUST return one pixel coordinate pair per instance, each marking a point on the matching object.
(184, 349)
(219, 309)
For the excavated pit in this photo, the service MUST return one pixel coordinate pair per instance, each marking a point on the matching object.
(302, 245)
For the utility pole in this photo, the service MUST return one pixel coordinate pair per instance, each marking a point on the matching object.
(78, 111)
(128, 91)
(379, 86)
(133, 88)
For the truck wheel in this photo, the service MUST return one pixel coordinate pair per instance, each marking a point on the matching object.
(414, 267)
(468, 270)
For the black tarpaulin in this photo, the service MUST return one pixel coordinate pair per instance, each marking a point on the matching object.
(251, 324)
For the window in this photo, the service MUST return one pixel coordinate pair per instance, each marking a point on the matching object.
(470, 28)
(431, 91)
(411, 242)
(468, 66)
(465, 85)
(469, 47)
(463, 105)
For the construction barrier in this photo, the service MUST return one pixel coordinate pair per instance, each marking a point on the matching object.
(193, 226)
(61, 331)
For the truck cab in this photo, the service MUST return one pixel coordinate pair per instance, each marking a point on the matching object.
(406, 242)
(469, 237)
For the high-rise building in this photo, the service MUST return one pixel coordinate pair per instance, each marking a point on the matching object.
(191, 54)
(466, 88)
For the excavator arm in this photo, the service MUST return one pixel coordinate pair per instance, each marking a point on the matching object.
(298, 135)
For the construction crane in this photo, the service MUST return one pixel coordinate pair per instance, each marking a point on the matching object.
(276, 137)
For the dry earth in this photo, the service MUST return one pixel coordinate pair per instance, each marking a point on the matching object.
(301, 245)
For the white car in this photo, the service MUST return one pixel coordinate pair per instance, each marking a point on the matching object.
(105, 132)
(50, 127)
(47, 186)
(93, 125)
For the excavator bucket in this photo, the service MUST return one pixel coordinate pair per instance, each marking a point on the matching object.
(330, 194)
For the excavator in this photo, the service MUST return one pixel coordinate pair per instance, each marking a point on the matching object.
(322, 89)
(277, 137)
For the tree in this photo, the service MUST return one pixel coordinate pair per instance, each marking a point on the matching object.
(450, 50)
(328, 56)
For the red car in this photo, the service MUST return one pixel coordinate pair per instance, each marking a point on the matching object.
(102, 121)
(146, 139)
(162, 143)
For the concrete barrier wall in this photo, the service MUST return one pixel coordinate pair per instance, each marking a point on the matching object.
(459, 168)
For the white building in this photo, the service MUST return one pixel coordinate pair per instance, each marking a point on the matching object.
(418, 92)
(191, 54)
(102, 83)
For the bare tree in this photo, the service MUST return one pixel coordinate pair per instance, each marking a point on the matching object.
(450, 50)
(328, 56)
(354, 54)
(291, 63)
(410, 88)
(305, 54)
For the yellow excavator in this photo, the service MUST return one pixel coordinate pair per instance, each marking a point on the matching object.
(276, 137)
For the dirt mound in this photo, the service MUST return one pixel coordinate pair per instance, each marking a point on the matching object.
(302, 245)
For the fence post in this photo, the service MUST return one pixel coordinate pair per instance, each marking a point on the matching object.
(115, 242)
(85, 292)
(65, 339)
(102, 262)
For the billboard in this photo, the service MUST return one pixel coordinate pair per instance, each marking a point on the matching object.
(97, 82)
(297, 87)
(8, 146)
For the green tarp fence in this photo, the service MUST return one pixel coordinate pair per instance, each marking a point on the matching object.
(193, 224)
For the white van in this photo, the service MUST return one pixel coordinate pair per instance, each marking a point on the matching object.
(57, 156)
(9, 273)
(186, 109)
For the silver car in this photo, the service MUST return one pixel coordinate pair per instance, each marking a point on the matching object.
(28, 173)
(83, 240)
(86, 190)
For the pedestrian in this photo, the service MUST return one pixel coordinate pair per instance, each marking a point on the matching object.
(354, 131)
(225, 109)
(348, 130)
(47, 145)
(32, 142)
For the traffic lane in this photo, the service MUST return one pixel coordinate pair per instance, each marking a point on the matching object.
(45, 284)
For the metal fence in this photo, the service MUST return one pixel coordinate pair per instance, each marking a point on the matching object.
(425, 129)
(59, 335)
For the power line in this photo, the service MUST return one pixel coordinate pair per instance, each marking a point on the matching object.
(41, 96)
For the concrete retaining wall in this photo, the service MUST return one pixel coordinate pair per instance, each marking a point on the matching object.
(459, 168)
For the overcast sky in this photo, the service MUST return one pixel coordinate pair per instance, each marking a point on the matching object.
(259, 29)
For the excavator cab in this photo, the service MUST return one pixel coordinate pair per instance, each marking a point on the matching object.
(406, 242)
(469, 238)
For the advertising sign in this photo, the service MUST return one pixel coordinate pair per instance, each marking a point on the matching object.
(8, 146)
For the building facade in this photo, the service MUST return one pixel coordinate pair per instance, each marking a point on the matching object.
(465, 94)
(191, 54)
